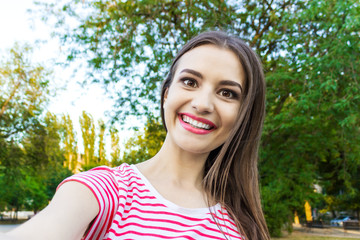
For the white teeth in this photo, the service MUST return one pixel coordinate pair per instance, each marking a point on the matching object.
(195, 123)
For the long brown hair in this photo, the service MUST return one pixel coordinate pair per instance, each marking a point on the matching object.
(231, 173)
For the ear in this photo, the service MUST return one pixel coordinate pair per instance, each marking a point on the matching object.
(166, 95)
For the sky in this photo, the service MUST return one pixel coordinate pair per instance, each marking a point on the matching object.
(17, 25)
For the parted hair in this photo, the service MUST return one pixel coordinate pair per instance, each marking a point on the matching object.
(231, 171)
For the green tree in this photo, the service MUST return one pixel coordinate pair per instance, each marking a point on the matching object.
(43, 162)
(144, 145)
(34, 145)
(53, 148)
(30, 151)
(35, 193)
(23, 92)
(69, 141)
(11, 175)
(88, 137)
(29, 140)
(117, 37)
(53, 177)
(102, 154)
(115, 147)
(312, 128)
(56, 171)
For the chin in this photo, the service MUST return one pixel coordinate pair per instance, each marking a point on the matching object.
(193, 149)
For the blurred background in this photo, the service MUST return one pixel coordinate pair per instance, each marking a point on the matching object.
(80, 87)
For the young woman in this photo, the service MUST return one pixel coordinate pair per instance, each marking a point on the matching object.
(202, 184)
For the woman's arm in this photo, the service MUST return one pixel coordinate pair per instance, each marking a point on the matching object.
(67, 216)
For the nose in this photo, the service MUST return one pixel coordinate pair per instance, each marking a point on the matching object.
(203, 101)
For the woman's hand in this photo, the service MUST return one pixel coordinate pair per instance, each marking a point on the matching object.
(67, 216)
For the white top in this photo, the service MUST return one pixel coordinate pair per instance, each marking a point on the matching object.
(131, 208)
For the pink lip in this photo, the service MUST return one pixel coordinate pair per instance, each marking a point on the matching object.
(193, 129)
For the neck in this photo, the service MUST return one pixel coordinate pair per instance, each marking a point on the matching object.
(176, 165)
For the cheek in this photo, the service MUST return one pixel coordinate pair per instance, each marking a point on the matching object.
(230, 117)
(174, 98)
(170, 107)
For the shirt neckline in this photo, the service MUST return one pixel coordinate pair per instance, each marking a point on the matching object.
(171, 205)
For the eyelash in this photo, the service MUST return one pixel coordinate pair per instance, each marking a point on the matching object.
(185, 81)
(234, 95)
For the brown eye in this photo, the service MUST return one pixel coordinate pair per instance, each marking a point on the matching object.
(190, 82)
(227, 94)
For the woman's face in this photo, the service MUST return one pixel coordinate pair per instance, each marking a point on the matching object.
(202, 103)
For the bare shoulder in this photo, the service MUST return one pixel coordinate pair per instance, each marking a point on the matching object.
(67, 216)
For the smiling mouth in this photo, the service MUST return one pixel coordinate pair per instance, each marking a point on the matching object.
(196, 124)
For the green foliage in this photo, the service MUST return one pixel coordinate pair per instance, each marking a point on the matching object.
(273, 199)
(23, 92)
(134, 41)
(35, 194)
(31, 159)
(11, 175)
(115, 147)
(102, 155)
(69, 142)
(93, 158)
(145, 144)
(29, 174)
(311, 132)
(88, 136)
(54, 176)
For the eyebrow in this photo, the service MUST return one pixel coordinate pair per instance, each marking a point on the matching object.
(223, 82)
(231, 83)
(193, 72)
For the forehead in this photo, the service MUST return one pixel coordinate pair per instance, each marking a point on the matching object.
(212, 61)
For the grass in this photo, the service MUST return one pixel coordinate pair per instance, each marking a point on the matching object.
(330, 233)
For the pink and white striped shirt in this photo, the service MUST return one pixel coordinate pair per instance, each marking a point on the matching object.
(131, 208)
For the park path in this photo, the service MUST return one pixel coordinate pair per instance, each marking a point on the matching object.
(7, 227)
